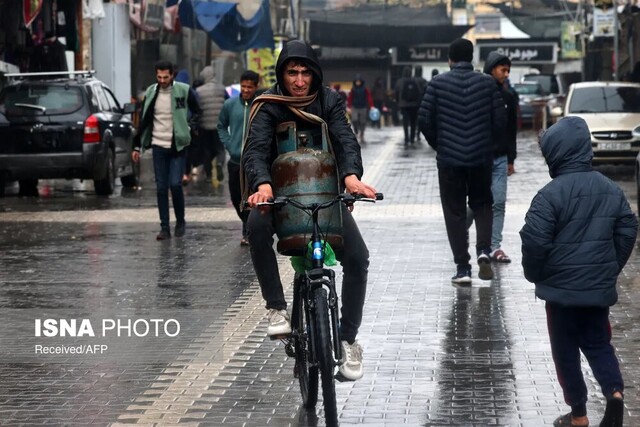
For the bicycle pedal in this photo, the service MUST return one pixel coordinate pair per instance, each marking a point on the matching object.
(279, 337)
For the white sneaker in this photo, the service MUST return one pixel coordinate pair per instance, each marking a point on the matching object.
(484, 264)
(279, 323)
(351, 369)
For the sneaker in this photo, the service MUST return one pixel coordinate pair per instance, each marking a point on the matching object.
(351, 368)
(484, 264)
(279, 323)
(462, 276)
(180, 228)
(164, 234)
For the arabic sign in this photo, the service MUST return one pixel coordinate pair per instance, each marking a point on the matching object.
(263, 62)
(423, 53)
(522, 53)
(603, 21)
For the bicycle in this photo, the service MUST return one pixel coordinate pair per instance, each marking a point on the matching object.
(314, 340)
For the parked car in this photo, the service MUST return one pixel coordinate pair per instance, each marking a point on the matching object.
(65, 125)
(531, 94)
(612, 112)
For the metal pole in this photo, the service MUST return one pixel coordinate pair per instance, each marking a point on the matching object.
(615, 42)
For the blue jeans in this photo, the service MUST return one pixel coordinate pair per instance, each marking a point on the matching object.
(169, 168)
(499, 190)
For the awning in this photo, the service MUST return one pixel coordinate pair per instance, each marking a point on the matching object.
(226, 26)
(383, 26)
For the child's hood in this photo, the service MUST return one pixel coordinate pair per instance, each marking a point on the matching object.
(566, 146)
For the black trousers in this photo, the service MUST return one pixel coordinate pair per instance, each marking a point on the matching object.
(456, 184)
(236, 193)
(572, 329)
(354, 258)
(409, 120)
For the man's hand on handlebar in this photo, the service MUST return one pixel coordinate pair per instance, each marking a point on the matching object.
(353, 185)
(263, 194)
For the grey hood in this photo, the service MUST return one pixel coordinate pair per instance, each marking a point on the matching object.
(207, 74)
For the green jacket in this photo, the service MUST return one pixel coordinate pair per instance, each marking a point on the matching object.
(183, 101)
(232, 126)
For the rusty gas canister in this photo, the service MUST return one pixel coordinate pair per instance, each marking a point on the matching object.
(309, 175)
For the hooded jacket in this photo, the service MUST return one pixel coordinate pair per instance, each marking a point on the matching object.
(211, 95)
(460, 114)
(359, 96)
(402, 102)
(260, 148)
(505, 140)
(579, 231)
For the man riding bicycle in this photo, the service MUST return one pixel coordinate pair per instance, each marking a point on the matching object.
(299, 79)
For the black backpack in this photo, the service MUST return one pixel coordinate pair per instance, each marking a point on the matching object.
(410, 92)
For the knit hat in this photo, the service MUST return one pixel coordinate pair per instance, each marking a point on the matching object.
(461, 50)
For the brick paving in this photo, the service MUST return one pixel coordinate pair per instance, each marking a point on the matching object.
(435, 354)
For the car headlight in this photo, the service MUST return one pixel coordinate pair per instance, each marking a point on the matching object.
(636, 132)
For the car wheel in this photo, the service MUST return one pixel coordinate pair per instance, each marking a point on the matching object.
(106, 185)
(131, 181)
(28, 187)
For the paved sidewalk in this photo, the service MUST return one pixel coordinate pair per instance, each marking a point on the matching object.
(435, 354)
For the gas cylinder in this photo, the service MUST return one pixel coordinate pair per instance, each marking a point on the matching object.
(309, 176)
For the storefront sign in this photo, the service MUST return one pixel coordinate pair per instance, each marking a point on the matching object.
(603, 21)
(263, 62)
(423, 53)
(522, 52)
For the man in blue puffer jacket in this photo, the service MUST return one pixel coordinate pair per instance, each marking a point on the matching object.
(461, 115)
(578, 235)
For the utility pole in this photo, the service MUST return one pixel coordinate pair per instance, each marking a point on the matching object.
(615, 42)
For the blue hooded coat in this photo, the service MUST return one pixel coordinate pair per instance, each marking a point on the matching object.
(579, 231)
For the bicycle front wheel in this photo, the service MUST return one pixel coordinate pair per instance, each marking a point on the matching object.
(306, 373)
(325, 356)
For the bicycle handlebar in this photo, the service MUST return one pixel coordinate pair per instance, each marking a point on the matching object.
(346, 198)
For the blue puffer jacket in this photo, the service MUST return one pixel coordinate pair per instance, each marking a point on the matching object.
(579, 231)
(459, 115)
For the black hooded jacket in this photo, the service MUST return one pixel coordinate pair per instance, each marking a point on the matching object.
(505, 143)
(260, 149)
(580, 230)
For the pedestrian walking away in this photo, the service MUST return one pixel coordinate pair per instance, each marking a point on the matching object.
(422, 87)
(498, 66)
(460, 115)
(166, 128)
(211, 96)
(299, 91)
(359, 102)
(408, 94)
(232, 128)
(578, 235)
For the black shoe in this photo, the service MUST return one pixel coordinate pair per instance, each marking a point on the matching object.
(462, 276)
(164, 234)
(613, 414)
(220, 172)
(179, 231)
(484, 264)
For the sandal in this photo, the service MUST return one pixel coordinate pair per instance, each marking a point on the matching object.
(500, 257)
(565, 421)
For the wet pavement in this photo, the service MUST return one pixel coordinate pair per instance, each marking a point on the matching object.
(435, 354)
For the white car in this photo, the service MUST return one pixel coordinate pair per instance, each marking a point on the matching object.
(612, 112)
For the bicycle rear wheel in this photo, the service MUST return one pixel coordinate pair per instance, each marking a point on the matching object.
(325, 356)
(307, 374)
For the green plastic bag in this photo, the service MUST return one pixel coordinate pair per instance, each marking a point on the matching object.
(302, 263)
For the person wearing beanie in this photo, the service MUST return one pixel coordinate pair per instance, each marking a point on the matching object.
(498, 66)
(460, 116)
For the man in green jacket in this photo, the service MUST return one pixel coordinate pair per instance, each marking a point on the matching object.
(232, 127)
(166, 126)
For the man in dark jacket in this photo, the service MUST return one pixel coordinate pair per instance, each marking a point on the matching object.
(498, 66)
(578, 235)
(408, 94)
(299, 82)
(460, 115)
(359, 102)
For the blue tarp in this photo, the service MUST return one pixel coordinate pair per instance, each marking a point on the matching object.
(226, 27)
